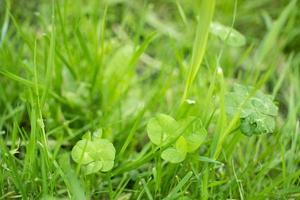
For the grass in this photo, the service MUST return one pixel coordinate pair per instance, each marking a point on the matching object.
(72, 67)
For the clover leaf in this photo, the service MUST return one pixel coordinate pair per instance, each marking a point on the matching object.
(257, 111)
(172, 155)
(194, 133)
(187, 136)
(94, 154)
(177, 153)
(162, 129)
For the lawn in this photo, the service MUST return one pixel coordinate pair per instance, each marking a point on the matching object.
(150, 99)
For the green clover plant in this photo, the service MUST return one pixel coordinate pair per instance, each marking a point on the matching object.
(94, 154)
(257, 111)
(185, 136)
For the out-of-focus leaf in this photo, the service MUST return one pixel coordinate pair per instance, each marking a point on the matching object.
(257, 111)
(227, 34)
(94, 155)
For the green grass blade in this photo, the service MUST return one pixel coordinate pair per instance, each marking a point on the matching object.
(270, 39)
(206, 14)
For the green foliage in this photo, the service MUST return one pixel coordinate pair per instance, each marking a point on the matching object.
(257, 111)
(185, 136)
(94, 155)
(67, 67)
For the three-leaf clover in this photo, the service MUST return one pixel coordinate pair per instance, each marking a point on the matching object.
(257, 110)
(94, 154)
(185, 136)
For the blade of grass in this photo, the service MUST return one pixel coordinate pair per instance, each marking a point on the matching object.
(179, 186)
(6, 22)
(206, 10)
(271, 38)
